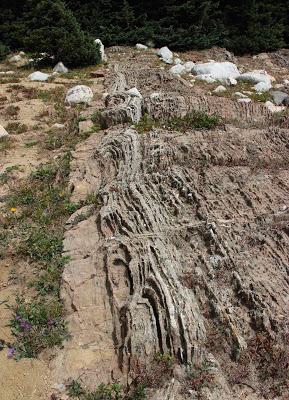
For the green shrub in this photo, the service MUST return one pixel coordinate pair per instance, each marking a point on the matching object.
(53, 30)
(4, 50)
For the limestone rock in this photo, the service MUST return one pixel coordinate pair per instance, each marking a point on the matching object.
(60, 68)
(16, 58)
(133, 92)
(220, 89)
(140, 46)
(262, 87)
(244, 100)
(189, 66)
(85, 126)
(79, 94)
(101, 49)
(38, 76)
(274, 109)
(255, 77)
(279, 97)
(178, 61)
(166, 55)
(217, 70)
(178, 69)
(3, 133)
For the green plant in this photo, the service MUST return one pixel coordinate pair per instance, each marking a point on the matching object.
(193, 120)
(4, 50)
(16, 128)
(36, 325)
(53, 30)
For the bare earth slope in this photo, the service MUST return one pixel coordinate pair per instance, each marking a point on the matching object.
(186, 249)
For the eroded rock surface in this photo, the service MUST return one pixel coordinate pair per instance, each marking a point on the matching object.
(186, 249)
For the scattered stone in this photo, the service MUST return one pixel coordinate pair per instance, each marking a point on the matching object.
(101, 49)
(133, 92)
(220, 71)
(239, 94)
(79, 94)
(178, 69)
(60, 68)
(3, 133)
(255, 77)
(278, 86)
(220, 89)
(262, 87)
(206, 78)
(85, 126)
(189, 65)
(286, 82)
(15, 59)
(247, 92)
(166, 55)
(178, 61)
(58, 126)
(38, 76)
(244, 100)
(22, 53)
(55, 73)
(155, 95)
(274, 109)
(140, 46)
(232, 81)
(279, 97)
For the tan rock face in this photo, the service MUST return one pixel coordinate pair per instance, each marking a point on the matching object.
(186, 250)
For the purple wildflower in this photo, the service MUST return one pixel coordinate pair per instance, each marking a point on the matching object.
(11, 352)
(18, 318)
(51, 322)
(25, 325)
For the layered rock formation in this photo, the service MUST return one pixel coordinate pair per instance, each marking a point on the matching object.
(185, 251)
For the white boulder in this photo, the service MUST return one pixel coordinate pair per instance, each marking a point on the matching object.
(166, 55)
(101, 49)
(262, 87)
(58, 126)
(133, 92)
(16, 58)
(178, 61)
(3, 133)
(206, 78)
(140, 46)
(178, 69)
(38, 76)
(239, 94)
(217, 70)
(256, 76)
(220, 89)
(60, 68)
(79, 94)
(274, 109)
(189, 65)
(244, 100)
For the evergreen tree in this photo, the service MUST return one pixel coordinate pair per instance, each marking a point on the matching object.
(53, 29)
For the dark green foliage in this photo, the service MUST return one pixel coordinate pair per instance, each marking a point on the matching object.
(193, 120)
(4, 50)
(244, 26)
(53, 29)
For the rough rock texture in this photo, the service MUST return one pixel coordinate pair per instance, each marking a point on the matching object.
(186, 249)
(79, 94)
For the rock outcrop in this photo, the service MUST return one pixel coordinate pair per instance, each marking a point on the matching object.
(185, 251)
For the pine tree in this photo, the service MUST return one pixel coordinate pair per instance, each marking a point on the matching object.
(53, 29)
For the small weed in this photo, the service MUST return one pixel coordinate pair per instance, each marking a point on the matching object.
(6, 175)
(261, 97)
(12, 111)
(193, 120)
(36, 325)
(155, 374)
(5, 144)
(16, 128)
(32, 143)
(106, 392)
(199, 377)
